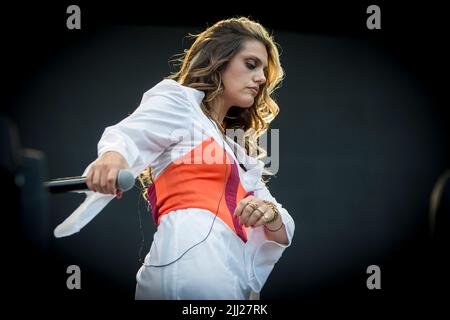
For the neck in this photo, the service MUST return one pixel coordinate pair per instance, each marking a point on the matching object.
(219, 110)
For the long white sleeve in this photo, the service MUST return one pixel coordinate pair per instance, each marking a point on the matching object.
(261, 254)
(140, 139)
(147, 132)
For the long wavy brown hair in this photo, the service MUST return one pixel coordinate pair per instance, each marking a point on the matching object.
(201, 66)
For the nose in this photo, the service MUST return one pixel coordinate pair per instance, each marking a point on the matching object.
(260, 78)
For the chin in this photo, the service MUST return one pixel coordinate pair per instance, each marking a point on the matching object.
(247, 103)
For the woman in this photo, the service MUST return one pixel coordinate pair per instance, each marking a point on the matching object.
(220, 231)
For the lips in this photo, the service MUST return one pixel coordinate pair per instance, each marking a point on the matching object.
(254, 90)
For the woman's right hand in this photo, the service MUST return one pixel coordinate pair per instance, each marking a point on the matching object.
(103, 172)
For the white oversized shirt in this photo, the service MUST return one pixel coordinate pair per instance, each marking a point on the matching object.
(167, 124)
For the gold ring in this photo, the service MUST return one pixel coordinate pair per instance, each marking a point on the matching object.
(266, 218)
(254, 206)
(262, 212)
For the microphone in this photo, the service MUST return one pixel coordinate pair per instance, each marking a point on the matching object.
(125, 181)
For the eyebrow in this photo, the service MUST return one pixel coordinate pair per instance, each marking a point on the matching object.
(251, 56)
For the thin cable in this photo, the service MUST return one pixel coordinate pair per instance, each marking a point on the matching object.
(141, 247)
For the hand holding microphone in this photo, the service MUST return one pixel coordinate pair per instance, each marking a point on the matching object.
(107, 175)
(104, 173)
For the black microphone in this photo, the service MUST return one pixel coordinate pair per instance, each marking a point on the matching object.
(125, 181)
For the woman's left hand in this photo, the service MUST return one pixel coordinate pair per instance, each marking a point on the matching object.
(251, 210)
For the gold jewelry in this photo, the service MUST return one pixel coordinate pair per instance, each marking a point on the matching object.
(275, 211)
(254, 206)
(262, 212)
(282, 224)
